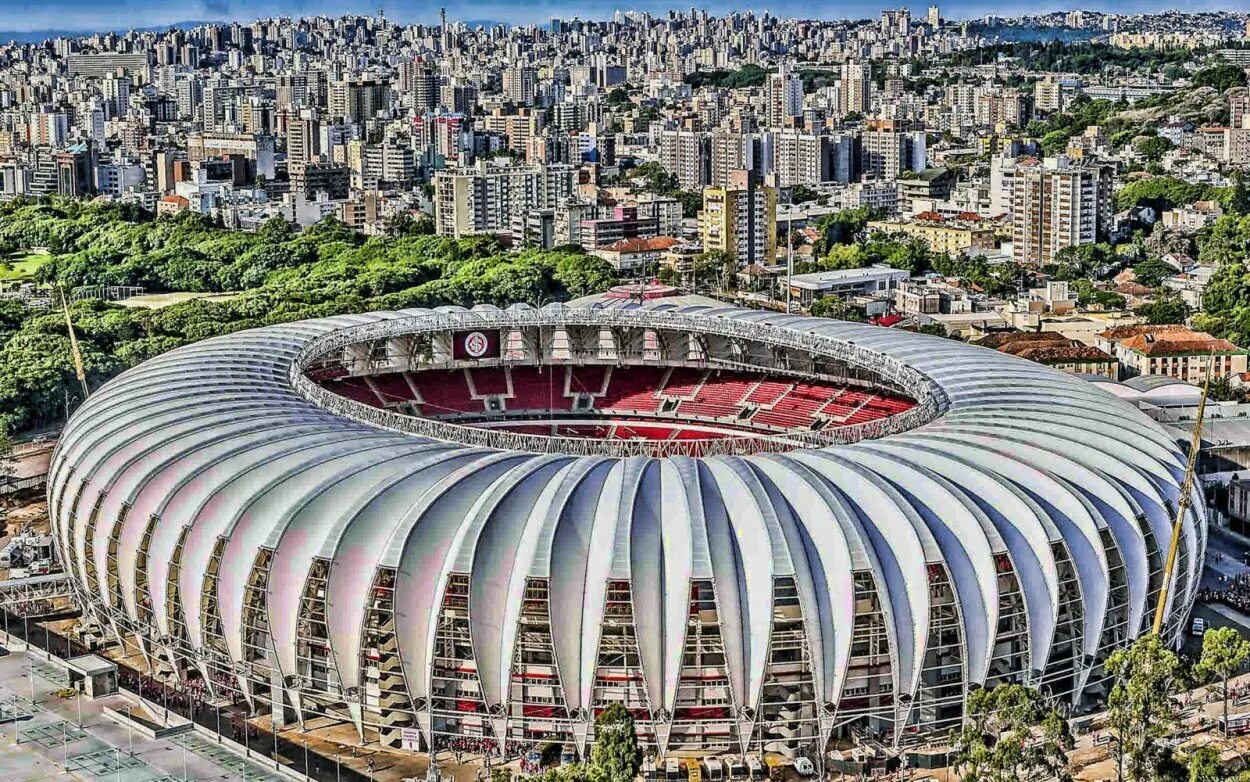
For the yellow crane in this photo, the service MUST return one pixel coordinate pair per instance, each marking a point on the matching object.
(73, 346)
(1182, 505)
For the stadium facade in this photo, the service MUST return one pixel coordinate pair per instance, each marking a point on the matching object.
(759, 532)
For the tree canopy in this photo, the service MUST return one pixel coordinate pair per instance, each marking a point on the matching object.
(1142, 708)
(616, 756)
(277, 274)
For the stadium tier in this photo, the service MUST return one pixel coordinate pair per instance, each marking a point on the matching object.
(709, 396)
(758, 532)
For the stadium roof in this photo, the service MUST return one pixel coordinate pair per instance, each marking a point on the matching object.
(213, 441)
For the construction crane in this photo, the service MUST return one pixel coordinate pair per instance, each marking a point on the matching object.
(1182, 505)
(73, 346)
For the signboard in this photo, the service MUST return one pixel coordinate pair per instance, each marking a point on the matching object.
(410, 739)
(475, 345)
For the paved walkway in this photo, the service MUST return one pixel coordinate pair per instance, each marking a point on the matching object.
(40, 738)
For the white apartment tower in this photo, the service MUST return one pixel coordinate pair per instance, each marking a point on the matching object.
(783, 94)
(687, 155)
(489, 199)
(1055, 205)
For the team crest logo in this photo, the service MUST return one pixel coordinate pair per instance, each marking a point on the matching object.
(476, 344)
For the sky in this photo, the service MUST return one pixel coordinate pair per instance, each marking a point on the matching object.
(99, 15)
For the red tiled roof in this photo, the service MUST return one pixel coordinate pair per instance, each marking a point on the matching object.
(1007, 340)
(1058, 354)
(1125, 332)
(1194, 342)
(643, 245)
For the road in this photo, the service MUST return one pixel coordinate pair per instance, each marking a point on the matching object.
(1224, 556)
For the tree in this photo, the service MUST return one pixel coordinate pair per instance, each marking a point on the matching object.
(1203, 765)
(837, 308)
(1165, 311)
(1151, 271)
(1142, 708)
(8, 460)
(1220, 77)
(1010, 734)
(714, 268)
(801, 194)
(1089, 296)
(1224, 652)
(932, 329)
(406, 224)
(1082, 261)
(1163, 192)
(616, 756)
(1153, 148)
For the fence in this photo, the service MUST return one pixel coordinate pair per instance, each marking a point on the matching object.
(15, 485)
(226, 722)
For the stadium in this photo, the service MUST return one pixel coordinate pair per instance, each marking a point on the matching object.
(477, 528)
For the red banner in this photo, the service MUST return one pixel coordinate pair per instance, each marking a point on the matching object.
(475, 345)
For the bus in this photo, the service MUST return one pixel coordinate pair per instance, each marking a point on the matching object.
(715, 770)
(1238, 724)
(672, 770)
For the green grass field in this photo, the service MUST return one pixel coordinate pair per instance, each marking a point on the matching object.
(22, 265)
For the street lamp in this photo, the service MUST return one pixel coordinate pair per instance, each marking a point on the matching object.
(338, 767)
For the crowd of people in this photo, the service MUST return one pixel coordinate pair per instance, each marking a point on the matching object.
(1233, 591)
(467, 745)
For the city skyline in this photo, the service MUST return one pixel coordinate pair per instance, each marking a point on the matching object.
(87, 16)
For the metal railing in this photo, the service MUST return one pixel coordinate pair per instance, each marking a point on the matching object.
(931, 401)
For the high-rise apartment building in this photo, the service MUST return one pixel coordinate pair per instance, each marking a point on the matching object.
(520, 82)
(783, 95)
(1055, 204)
(357, 100)
(1238, 110)
(688, 156)
(740, 220)
(890, 147)
(490, 199)
(292, 89)
(1047, 94)
(800, 158)
(303, 138)
(116, 91)
(49, 128)
(730, 151)
(97, 66)
(419, 83)
(855, 92)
